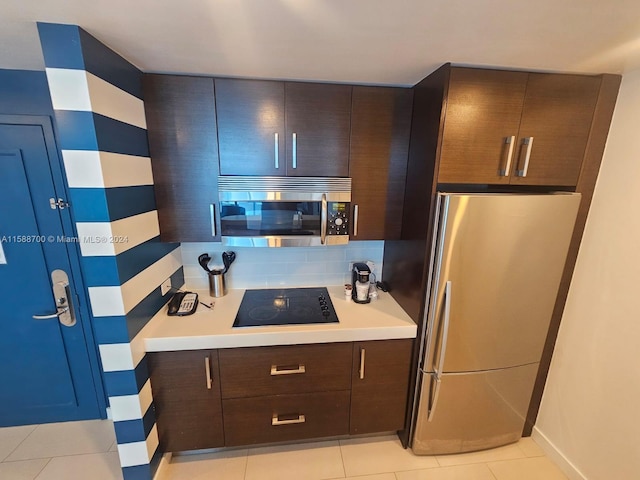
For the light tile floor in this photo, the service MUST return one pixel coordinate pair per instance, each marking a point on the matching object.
(87, 450)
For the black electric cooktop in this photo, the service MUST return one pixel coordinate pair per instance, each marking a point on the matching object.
(285, 306)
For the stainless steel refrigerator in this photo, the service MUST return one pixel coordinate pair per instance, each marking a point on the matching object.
(496, 264)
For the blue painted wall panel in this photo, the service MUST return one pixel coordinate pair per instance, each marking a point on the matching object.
(76, 130)
(101, 271)
(119, 137)
(127, 382)
(143, 472)
(24, 92)
(108, 65)
(110, 330)
(128, 201)
(89, 205)
(61, 45)
(135, 430)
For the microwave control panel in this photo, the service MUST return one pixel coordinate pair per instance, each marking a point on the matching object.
(338, 218)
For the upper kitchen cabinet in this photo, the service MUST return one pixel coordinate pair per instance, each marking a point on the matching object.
(283, 128)
(250, 127)
(318, 118)
(181, 126)
(483, 109)
(503, 127)
(380, 128)
(554, 129)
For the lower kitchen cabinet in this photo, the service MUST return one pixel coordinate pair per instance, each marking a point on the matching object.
(257, 395)
(379, 387)
(186, 395)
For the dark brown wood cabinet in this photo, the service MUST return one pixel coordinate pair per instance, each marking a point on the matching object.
(186, 395)
(181, 126)
(505, 127)
(250, 126)
(283, 128)
(380, 128)
(380, 384)
(280, 370)
(317, 118)
(253, 395)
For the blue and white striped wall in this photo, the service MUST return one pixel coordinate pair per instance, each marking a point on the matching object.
(99, 113)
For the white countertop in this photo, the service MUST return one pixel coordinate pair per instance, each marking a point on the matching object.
(382, 319)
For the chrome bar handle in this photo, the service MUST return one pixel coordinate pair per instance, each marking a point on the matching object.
(528, 141)
(207, 372)
(212, 215)
(276, 370)
(511, 141)
(65, 312)
(361, 370)
(294, 150)
(436, 394)
(277, 158)
(275, 420)
(323, 219)
(445, 328)
(355, 220)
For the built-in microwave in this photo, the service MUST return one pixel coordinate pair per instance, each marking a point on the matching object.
(284, 211)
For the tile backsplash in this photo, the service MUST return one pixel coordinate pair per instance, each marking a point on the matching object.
(265, 267)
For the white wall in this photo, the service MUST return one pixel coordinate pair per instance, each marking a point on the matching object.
(590, 412)
(281, 267)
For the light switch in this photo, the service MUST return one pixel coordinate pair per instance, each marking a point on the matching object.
(3, 259)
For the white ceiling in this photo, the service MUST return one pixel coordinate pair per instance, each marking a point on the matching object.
(359, 41)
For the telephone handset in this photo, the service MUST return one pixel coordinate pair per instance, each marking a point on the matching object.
(183, 303)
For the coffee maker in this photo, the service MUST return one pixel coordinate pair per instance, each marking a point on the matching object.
(360, 283)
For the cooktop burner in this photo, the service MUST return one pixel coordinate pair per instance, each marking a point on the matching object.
(285, 306)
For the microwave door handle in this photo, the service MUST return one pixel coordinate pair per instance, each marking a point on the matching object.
(323, 219)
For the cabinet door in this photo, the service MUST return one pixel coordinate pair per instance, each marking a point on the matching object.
(380, 128)
(250, 127)
(186, 395)
(318, 118)
(181, 126)
(557, 115)
(483, 113)
(379, 388)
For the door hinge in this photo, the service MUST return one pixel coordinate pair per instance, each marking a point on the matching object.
(60, 203)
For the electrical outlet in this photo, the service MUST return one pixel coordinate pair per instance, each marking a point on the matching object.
(165, 287)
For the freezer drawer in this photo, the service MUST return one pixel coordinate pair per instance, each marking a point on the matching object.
(473, 411)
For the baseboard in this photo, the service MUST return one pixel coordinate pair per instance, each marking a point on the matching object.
(164, 461)
(556, 456)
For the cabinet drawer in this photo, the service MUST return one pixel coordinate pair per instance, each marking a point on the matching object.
(257, 371)
(279, 418)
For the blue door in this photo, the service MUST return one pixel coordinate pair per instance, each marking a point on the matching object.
(47, 372)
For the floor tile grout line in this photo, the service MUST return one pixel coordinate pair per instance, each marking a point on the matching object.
(58, 456)
(21, 442)
(344, 468)
(42, 469)
(246, 464)
(490, 470)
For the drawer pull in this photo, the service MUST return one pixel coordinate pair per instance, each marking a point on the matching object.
(361, 369)
(207, 372)
(275, 420)
(287, 369)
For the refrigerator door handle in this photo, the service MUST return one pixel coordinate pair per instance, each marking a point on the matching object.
(445, 329)
(433, 400)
